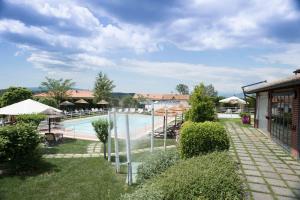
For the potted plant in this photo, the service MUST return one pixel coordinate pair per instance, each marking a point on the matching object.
(246, 118)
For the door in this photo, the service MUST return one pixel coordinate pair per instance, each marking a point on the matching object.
(262, 111)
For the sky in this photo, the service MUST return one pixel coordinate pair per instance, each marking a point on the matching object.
(149, 46)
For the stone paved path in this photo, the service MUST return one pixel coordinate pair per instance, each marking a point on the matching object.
(94, 148)
(93, 154)
(269, 172)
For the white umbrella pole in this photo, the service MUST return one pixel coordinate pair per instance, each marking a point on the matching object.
(109, 136)
(128, 151)
(152, 132)
(117, 160)
(165, 132)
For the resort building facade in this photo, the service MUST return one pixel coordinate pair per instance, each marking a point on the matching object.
(73, 95)
(277, 111)
(163, 100)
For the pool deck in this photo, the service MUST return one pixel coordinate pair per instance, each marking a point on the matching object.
(268, 171)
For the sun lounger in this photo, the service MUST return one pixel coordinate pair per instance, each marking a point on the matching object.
(132, 110)
(120, 110)
(126, 110)
(140, 110)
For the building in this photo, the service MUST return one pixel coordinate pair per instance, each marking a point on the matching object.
(163, 100)
(73, 95)
(277, 111)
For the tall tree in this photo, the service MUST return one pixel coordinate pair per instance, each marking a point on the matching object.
(202, 105)
(57, 88)
(210, 91)
(103, 88)
(182, 89)
(13, 95)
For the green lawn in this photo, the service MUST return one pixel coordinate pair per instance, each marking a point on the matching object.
(142, 143)
(236, 120)
(68, 145)
(78, 178)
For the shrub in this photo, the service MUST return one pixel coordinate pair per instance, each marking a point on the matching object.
(34, 119)
(20, 145)
(48, 101)
(101, 129)
(156, 164)
(212, 177)
(245, 114)
(201, 138)
(202, 105)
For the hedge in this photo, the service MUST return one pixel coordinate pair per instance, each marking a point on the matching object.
(19, 145)
(35, 119)
(155, 164)
(200, 138)
(212, 176)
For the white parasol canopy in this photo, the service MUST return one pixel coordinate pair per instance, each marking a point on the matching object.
(28, 106)
(233, 100)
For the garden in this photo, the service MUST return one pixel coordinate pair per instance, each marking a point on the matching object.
(200, 166)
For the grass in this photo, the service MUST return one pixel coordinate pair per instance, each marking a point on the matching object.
(141, 143)
(235, 120)
(68, 145)
(76, 178)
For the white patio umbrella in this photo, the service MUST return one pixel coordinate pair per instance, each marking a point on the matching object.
(28, 106)
(233, 100)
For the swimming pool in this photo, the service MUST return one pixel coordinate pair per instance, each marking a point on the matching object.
(139, 125)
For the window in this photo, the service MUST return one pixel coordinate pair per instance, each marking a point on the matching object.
(281, 124)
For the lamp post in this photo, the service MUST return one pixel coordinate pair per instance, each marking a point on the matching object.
(109, 136)
(117, 159)
(128, 150)
(152, 132)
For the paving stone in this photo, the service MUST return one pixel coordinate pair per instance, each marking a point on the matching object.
(281, 166)
(259, 187)
(266, 169)
(271, 175)
(290, 177)
(255, 179)
(261, 196)
(250, 167)
(287, 198)
(263, 164)
(283, 191)
(275, 182)
(297, 192)
(284, 171)
(293, 184)
(252, 172)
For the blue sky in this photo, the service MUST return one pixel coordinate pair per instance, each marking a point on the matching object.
(149, 45)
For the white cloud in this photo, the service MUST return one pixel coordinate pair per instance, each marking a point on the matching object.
(224, 78)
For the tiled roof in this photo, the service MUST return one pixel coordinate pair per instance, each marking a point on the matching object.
(163, 96)
(277, 84)
(76, 94)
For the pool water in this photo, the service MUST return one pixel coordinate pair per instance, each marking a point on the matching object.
(139, 125)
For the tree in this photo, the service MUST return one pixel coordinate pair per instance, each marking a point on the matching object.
(14, 95)
(202, 105)
(57, 88)
(127, 101)
(48, 101)
(103, 88)
(210, 91)
(101, 129)
(182, 89)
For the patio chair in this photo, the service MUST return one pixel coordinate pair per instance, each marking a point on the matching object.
(120, 110)
(238, 111)
(228, 111)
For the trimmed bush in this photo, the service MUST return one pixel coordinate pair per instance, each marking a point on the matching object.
(20, 145)
(201, 138)
(34, 119)
(212, 177)
(155, 164)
